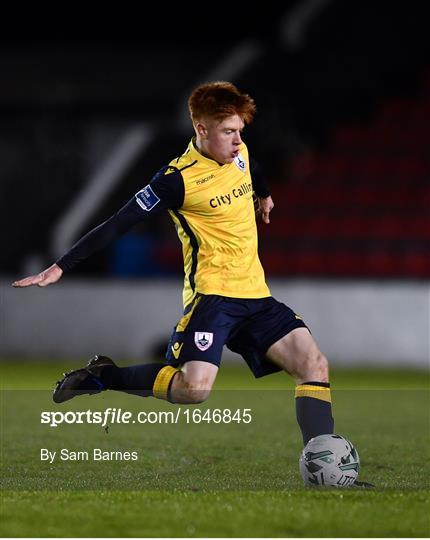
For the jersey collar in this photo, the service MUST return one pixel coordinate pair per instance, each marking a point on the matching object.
(197, 155)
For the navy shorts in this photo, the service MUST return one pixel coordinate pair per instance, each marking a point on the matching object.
(247, 326)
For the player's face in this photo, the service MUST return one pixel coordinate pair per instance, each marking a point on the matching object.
(221, 140)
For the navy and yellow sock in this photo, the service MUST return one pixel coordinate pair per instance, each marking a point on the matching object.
(313, 409)
(141, 380)
(163, 382)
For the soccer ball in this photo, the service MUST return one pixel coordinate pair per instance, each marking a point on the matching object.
(329, 460)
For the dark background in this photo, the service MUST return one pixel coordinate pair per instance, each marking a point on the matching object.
(342, 129)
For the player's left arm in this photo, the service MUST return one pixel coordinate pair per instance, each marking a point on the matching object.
(263, 200)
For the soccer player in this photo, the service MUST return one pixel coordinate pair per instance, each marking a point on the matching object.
(208, 192)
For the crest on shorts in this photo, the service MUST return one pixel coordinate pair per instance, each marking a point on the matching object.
(203, 340)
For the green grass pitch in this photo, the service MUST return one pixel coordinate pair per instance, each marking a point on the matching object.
(214, 480)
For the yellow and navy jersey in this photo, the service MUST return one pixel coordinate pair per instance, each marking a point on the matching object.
(212, 208)
(216, 226)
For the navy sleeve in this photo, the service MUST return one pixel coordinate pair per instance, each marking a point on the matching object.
(163, 192)
(258, 180)
(166, 190)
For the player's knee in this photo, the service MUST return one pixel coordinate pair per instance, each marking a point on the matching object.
(315, 367)
(189, 391)
(196, 394)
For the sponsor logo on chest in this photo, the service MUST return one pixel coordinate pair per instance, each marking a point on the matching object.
(228, 198)
(205, 179)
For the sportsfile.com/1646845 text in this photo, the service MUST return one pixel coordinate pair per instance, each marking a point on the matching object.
(119, 416)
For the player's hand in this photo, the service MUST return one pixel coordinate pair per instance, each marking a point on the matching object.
(48, 276)
(264, 207)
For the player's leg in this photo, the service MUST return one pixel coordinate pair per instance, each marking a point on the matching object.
(191, 384)
(101, 373)
(298, 354)
(275, 339)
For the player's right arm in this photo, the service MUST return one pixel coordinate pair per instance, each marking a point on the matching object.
(262, 198)
(164, 191)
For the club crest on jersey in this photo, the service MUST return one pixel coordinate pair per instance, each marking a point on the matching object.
(146, 198)
(240, 163)
(203, 340)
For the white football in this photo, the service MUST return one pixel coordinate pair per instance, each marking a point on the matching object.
(329, 460)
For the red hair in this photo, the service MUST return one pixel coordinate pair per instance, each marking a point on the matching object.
(219, 100)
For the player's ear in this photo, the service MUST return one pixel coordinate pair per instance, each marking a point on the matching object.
(201, 129)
